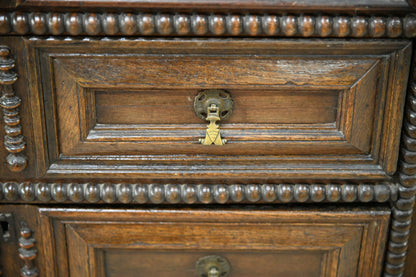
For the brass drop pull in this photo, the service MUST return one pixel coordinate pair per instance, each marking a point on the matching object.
(213, 266)
(213, 105)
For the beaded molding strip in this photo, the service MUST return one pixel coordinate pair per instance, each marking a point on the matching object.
(147, 24)
(402, 209)
(13, 140)
(196, 194)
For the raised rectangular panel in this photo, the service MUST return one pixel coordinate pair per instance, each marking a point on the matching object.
(266, 242)
(301, 109)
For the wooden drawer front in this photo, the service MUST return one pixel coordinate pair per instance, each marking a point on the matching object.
(255, 242)
(113, 106)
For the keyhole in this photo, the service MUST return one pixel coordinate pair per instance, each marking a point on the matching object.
(5, 230)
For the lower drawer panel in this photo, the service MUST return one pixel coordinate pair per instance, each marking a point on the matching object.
(245, 263)
(255, 242)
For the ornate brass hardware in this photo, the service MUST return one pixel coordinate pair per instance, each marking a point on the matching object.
(213, 266)
(213, 105)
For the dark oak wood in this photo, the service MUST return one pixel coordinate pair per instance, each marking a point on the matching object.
(233, 5)
(22, 117)
(22, 254)
(410, 268)
(412, 3)
(402, 237)
(10, 3)
(102, 112)
(14, 141)
(337, 243)
(128, 193)
(172, 106)
(201, 24)
(94, 106)
(27, 252)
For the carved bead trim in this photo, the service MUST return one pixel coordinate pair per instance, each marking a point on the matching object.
(27, 253)
(13, 140)
(402, 209)
(194, 194)
(147, 24)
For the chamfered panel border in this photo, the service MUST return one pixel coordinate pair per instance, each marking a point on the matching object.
(367, 228)
(42, 49)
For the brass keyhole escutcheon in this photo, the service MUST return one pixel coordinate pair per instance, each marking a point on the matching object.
(213, 266)
(213, 105)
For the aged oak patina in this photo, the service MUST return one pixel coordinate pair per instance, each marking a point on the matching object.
(105, 105)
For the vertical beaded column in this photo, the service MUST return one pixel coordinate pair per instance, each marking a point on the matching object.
(13, 140)
(402, 209)
(412, 3)
(27, 252)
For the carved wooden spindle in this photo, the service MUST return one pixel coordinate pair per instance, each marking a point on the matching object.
(403, 207)
(27, 252)
(13, 140)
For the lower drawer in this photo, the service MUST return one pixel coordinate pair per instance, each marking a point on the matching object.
(225, 242)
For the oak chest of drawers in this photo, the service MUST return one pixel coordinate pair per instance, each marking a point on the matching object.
(207, 138)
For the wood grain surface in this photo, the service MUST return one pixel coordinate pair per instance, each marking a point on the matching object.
(231, 5)
(295, 101)
(117, 243)
(104, 100)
